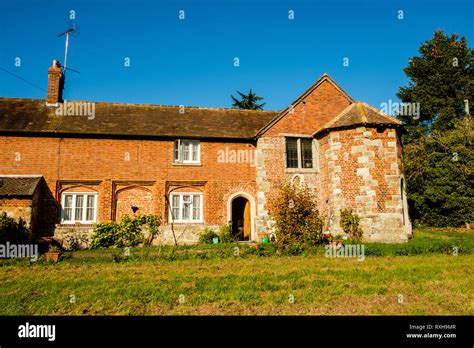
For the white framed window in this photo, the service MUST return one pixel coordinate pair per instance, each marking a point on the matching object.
(186, 207)
(299, 153)
(187, 151)
(79, 207)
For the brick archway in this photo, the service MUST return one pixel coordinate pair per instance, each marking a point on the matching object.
(132, 201)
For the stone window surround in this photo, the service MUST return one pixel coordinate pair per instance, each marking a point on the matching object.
(315, 149)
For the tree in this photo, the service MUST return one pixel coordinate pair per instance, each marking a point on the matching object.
(437, 153)
(439, 171)
(441, 79)
(248, 101)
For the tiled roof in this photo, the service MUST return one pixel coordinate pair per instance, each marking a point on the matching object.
(359, 113)
(18, 185)
(115, 119)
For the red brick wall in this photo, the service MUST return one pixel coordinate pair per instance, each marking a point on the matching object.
(134, 197)
(103, 162)
(321, 105)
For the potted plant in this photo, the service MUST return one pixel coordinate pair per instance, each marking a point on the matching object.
(261, 236)
(53, 253)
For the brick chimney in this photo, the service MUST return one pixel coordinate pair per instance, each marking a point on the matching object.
(55, 84)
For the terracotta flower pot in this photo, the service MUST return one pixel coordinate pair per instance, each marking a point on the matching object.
(52, 256)
(261, 236)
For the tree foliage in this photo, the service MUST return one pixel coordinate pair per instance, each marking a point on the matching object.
(297, 219)
(439, 172)
(247, 101)
(441, 79)
(350, 224)
(438, 156)
(12, 231)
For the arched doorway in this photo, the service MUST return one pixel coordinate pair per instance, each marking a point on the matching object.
(241, 218)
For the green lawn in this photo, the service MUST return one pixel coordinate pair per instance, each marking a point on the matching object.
(210, 280)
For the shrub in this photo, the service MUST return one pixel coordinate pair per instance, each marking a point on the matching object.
(130, 232)
(266, 249)
(225, 234)
(350, 224)
(298, 223)
(12, 231)
(71, 242)
(54, 249)
(207, 236)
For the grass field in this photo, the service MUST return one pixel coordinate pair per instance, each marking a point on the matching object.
(212, 281)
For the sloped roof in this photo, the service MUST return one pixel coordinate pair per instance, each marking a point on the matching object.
(117, 119)
(18, 185)
(359, 113)
(281, 114)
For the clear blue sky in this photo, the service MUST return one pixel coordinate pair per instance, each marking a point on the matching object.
(190, 62)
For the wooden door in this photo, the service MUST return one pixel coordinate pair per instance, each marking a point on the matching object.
(247, 227)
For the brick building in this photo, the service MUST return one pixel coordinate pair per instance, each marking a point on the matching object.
(203, 167)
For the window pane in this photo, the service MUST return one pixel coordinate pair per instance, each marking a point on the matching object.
(175, 207)
(90, 207)
(307, 153)
(67, 207)
(176, 151)
(79, 207)
(195, 152)
(185, 150)
(186, 209)
(197, 207)
(68, 201)
(291, 153)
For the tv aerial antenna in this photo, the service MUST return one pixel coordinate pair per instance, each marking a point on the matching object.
(73, 31)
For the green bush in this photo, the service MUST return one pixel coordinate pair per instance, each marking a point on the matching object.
(267, 249)
(298, 224)
(131, 231)
(225, 234)
(350, 224)
(207, 236)
(12, 231)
